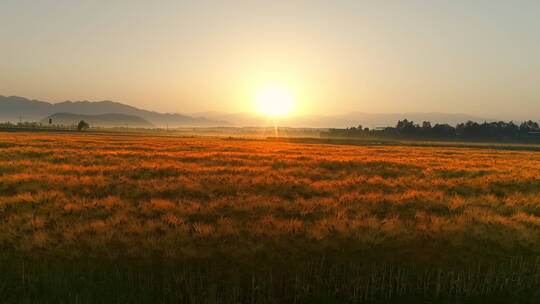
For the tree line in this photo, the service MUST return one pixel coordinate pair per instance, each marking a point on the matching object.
(81, 126)
(469, 130)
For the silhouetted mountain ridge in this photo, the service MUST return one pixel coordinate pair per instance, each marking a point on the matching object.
(34, 110)
(12, 108)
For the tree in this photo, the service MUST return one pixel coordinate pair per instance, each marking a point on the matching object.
(495, 130)
(83, 125)
(443, 130)
(405, 127)
(528, 126)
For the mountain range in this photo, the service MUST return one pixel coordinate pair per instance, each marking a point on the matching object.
(14, 108)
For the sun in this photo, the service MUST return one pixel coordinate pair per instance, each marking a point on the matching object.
(274, 101)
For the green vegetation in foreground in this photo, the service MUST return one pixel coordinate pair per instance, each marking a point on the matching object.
(315, 281)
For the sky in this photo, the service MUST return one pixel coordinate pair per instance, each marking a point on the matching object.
(476, 57)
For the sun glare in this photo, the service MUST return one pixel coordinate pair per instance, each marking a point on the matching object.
(274, 101)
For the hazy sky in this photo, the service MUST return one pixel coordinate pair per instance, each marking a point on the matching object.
(475, 57)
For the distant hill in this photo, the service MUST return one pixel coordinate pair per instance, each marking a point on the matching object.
(100, 120)
(34, 110)
(13, 107)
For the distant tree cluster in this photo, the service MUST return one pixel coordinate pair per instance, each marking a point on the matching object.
(83, 125)
(24, 124)
(469, 131)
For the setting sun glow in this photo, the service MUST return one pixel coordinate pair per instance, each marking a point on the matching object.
(274, 101)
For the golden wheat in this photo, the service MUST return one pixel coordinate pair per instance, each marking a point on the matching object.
(126, 196)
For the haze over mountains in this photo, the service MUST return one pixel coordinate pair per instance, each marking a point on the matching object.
(102, 120)
(13, 107)
(100, 114)
(371, 120)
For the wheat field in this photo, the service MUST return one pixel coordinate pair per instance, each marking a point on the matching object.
(445, 212)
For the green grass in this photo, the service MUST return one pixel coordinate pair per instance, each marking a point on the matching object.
(316, 281)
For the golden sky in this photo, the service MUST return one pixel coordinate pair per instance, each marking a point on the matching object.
(475, 57)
